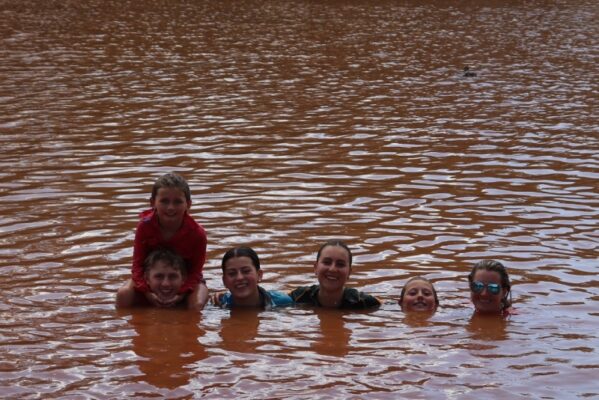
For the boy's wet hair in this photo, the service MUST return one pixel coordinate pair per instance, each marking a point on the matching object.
(334, 242)
(171, 180)
(168, 257)
(241, 251)
(418, 278)
(492, 265)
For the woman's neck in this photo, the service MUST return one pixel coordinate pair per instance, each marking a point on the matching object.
(330, 299)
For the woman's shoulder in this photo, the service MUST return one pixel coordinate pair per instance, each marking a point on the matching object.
(277, 298)
(354, 298)
(304, 294)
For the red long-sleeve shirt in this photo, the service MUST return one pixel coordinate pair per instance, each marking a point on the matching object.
(189, 242)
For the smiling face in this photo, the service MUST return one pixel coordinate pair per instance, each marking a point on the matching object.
(164, 280)
(418, 295)
(332, 268)
(241, 277)
(171, 205)
(485, 301)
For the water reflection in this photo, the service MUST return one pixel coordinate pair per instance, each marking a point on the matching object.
(418, 319)
(489, 328)
(295, 122)
(333, 338)
(167, 344)
(238, 332)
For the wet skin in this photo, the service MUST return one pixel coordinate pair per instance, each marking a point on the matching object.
(241, 277)
(418, 296)
(165, 282)
(485, 301)
(171, 206)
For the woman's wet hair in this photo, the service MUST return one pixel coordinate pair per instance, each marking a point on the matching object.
(334, 242)
(167, 256)
(171, 180)
(241, 251)
(492, 265)
(418, 278)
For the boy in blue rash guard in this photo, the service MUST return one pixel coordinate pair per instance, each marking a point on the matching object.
(241, 274)
(332, 268)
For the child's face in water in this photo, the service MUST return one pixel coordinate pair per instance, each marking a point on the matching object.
(171, 206)
(164, 280)
(485, 301)
(332, 268)
(241, 277)
(418, 296)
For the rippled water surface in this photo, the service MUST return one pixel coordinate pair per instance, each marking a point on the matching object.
(295, 122)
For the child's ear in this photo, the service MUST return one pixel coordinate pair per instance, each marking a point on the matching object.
(152, 202)
(259, 273)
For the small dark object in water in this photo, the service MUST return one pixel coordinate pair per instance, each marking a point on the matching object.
(468, 73)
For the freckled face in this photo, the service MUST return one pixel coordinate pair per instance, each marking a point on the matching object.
(332, 268)
(241, 278)
(418, 296)
(164, 280)
(485, 301)
(171, 206)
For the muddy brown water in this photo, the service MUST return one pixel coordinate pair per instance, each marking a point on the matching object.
(295, 122)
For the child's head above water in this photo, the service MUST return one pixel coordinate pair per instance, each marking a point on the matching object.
(490, 288)
(165, 272)
(418, 294)
(241, 275)
(170, 200)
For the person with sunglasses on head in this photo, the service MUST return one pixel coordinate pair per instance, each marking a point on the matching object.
(490, 288)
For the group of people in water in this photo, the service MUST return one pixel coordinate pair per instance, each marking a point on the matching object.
(170, 250)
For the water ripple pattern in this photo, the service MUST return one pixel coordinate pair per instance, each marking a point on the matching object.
(295, 122)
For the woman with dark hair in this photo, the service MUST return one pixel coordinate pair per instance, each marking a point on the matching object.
(332, 268)
(241, 275)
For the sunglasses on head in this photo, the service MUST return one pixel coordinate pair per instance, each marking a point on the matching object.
(493, 288)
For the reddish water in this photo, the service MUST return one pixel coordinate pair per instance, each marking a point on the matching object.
(295, 122)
